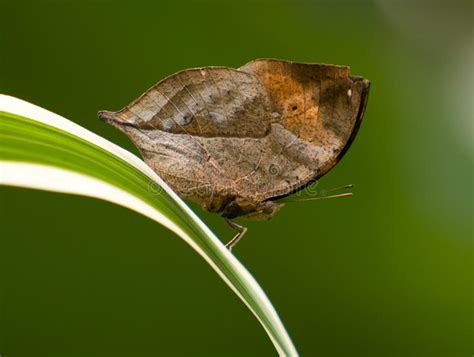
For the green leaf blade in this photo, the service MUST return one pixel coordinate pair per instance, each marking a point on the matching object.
(42, 142)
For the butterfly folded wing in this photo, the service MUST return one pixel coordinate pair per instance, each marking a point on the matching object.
(219, 135)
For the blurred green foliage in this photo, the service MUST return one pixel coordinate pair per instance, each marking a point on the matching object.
(386, 273)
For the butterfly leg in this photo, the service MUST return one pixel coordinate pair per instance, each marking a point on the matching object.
(241, 230)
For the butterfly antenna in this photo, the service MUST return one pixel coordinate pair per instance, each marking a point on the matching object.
(339, 188)
(326, 196)
(349, 194)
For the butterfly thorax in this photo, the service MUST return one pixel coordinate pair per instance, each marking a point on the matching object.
(257, 211)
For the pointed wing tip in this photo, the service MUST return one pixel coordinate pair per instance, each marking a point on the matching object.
(106, 116)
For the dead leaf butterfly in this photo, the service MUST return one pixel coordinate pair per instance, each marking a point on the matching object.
(235, 140)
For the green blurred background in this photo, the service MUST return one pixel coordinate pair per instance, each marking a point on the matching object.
(386, 273)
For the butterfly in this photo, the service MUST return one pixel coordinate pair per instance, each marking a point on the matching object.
(236, 140)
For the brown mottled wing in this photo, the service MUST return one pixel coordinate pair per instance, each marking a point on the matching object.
(217, 134)
(320, 106)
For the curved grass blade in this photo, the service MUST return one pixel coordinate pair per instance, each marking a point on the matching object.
(42, 150)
